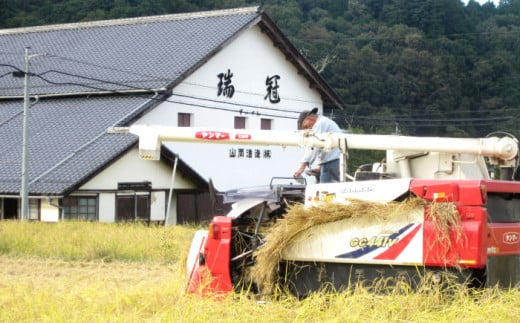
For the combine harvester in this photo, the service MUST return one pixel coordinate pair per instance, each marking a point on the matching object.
(461, 223)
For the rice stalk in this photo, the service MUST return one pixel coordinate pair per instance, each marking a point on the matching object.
(445, 218)
(300, 218)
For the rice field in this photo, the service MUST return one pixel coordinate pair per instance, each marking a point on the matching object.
(95, 272)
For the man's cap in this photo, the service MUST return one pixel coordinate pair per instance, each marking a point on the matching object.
(304, 114)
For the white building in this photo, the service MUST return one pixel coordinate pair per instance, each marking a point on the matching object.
(218, 69)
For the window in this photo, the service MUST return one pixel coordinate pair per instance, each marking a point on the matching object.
(133, 207)
(34, 209)
(265, 124)
(183, 119)
(240, 122)
(80, 208)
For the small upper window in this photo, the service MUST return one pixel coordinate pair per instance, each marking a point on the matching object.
(240, 122)
(184, 119)
(266, 124)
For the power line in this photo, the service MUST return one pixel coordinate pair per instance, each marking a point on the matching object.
(236, 104)
(366, 120)
(412, 33)
(155, 77)
(438, 114)
(410, 119)
(71, 83)
(429, 116)
(483, 121)
(9, 73)
(241, 111)
(429, 125)
(82, 62)
(13, 67)
(139, 88)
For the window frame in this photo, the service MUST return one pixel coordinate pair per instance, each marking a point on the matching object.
(136, 200)
(266, 124)
(240, 122)
(85, 208)
(184, 119)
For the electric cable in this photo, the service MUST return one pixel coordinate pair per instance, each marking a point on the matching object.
(154, 78)
(428, 117)
(157, 78)
(241, 111)
(358, 120)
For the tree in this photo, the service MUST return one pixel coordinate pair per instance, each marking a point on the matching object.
(404, 62)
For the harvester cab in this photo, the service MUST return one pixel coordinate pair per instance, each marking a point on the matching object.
(431, 208)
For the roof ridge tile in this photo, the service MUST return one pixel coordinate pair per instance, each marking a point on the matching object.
(131, 21)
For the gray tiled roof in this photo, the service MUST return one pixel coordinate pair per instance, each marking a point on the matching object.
(148, 52)
(68, 142)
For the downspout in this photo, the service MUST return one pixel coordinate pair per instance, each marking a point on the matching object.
(170, 195)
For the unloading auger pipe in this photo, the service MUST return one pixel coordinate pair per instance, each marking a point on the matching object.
(151, 137)
(505, 149)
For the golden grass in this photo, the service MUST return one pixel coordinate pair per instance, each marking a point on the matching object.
(39, 284)
(94, 241)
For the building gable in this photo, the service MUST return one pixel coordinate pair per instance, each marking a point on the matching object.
(250, 79)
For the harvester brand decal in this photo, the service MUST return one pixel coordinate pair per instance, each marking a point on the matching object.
(382, 241)
(357, 189)
(245, 136)
(390, 246)
(511, 237)
(212, 135)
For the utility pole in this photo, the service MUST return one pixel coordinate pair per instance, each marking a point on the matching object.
(24, 195)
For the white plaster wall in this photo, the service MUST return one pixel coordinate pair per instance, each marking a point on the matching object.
(107, 207)
(130, 168)
(157, 206)
(49, 213)
(251, 58)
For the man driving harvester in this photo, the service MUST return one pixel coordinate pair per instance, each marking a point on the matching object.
(328, 161)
